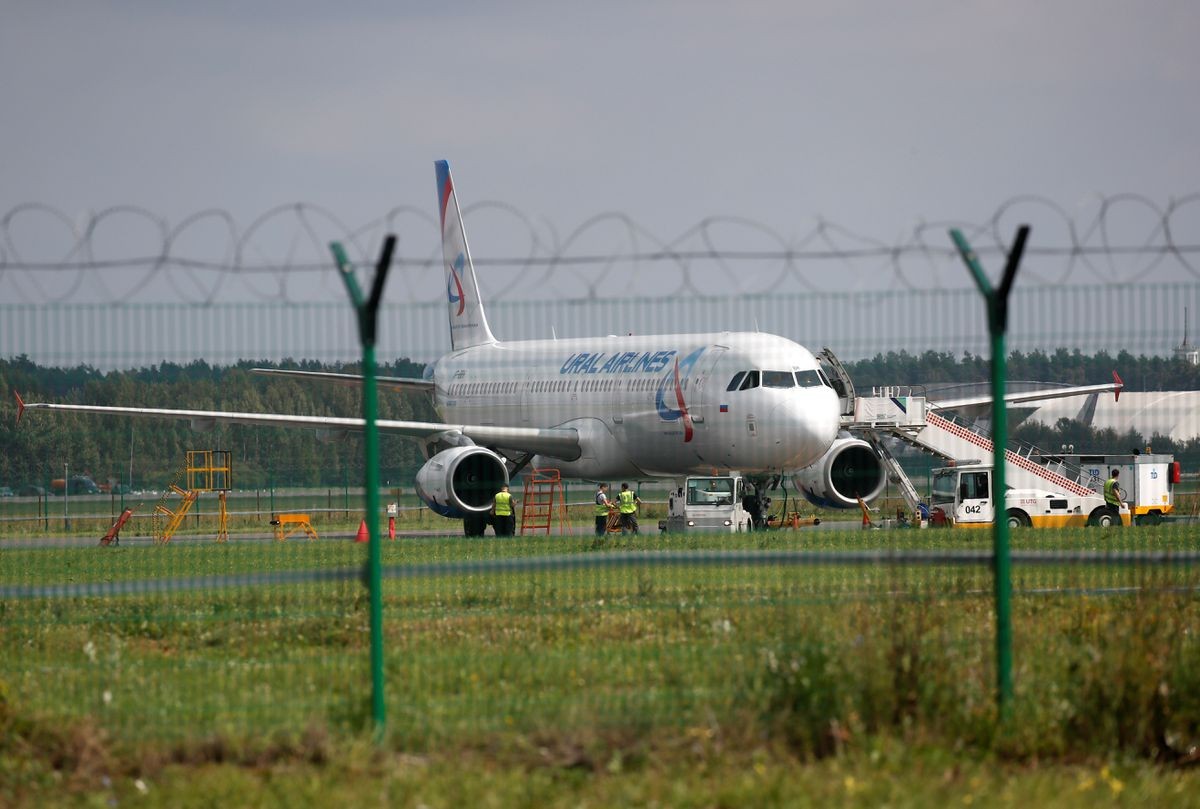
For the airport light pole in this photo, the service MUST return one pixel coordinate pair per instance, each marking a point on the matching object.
(367, 311)
(996, 300)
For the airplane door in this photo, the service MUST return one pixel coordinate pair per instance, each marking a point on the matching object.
(615, 395)
(526, 400)
(705, 389)
(974, 498)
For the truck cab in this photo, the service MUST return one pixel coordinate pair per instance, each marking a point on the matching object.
(713, 503)
(964, 494)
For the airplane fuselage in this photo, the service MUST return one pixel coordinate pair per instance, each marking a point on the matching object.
(666, 405)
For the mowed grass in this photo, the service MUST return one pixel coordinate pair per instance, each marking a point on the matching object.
(682, 684)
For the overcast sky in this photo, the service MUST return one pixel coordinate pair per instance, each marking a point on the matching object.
(872, 115)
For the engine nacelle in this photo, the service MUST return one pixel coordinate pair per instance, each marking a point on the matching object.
(461, 481)
(849, 469)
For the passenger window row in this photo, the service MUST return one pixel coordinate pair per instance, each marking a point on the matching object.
(551, 386)
(742, 380)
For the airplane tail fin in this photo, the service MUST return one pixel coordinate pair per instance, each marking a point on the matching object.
(468, 323)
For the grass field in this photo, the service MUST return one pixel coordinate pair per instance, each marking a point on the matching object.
(697, 685)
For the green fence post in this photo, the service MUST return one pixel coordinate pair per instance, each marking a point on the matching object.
(367, 319)
(996, 301)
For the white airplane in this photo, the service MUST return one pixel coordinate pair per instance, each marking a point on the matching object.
(594, 408)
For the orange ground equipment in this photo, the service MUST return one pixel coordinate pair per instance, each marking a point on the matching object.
(113, 537)
(288, 524)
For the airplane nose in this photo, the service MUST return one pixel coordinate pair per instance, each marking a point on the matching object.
(808, 424)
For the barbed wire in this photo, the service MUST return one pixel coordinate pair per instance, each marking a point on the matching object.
(46, 256)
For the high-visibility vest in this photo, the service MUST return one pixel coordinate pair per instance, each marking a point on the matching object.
(601, 504)
(626, 498)
(503, 504)
(1110, 493)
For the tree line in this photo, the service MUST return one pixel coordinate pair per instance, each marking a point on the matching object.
(107, 448)
(151, 451)
(1062, 366)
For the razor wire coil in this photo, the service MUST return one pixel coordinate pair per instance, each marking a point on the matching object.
(281, 256)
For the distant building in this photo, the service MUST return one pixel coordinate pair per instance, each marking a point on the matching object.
(1186, 352)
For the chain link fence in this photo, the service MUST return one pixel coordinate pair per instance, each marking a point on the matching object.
(816, 636)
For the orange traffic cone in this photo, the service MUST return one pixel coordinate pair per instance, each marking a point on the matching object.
(362, 535)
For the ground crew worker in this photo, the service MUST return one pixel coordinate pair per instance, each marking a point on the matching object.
(602, 507)
(1112, 496)
(502, 509)
(627, 504)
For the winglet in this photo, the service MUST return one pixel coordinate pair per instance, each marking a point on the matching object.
(20, 406)
(1120, 386)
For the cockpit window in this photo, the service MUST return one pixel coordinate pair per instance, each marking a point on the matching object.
(808, 379)
(751, 381)
(737, 380)
(778, 379)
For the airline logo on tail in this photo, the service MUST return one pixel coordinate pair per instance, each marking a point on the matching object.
(447, 189)
(673, 382)
(454, 287)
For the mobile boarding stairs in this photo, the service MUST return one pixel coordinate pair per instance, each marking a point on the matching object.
(902, 412)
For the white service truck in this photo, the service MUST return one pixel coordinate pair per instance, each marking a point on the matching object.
(714, 503)
(962, 497)
(1147, 479)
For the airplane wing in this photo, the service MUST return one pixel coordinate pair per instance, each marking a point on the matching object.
(1113, 387)
(558, 442)
(400, 383)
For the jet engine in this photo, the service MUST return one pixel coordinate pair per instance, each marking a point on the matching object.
(849, 469)
(461, 481)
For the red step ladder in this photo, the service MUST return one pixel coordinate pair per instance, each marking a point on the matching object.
(542, 501)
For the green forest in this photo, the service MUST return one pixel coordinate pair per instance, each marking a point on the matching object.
(1062, 366)
(106, 448)
(147, 453)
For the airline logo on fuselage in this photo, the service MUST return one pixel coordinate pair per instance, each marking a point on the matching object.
(454, 287)
(669, 400)
(673, 382)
